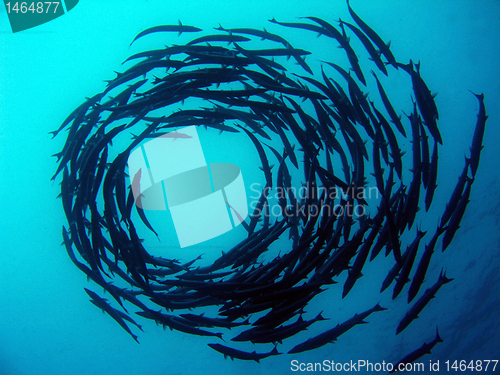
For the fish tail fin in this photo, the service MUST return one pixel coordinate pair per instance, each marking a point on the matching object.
(275, 351)
(417, 66)
(441, 229)
(438, 338)
(54, 133)
(443, 278)
(320, 317)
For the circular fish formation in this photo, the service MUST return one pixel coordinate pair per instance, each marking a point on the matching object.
(329, 131)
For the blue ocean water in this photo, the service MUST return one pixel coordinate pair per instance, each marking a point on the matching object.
(48, 325)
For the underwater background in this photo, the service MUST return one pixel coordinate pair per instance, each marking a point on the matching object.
(47, 324)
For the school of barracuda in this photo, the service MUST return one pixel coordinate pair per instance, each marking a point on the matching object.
(248, 91)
